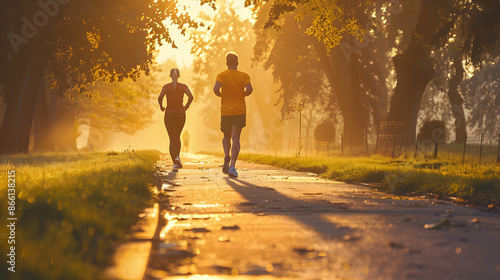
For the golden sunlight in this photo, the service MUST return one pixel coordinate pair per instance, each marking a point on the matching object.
(182, 55)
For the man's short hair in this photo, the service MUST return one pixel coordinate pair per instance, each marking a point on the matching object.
(231, 58)
(175, 70)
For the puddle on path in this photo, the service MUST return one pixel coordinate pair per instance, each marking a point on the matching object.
(173, 245)
(166, 187)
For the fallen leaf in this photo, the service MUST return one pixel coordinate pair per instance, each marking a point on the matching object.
(441, 224)
(475, 221)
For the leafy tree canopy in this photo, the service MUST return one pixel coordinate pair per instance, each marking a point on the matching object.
(119, 107)
(482, 93)
(330, 20)
(290, 53)
(474, 25)
(89, 40)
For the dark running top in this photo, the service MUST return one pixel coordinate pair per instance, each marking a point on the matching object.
(175, 97)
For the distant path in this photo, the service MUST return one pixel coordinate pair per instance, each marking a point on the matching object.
(275, 223)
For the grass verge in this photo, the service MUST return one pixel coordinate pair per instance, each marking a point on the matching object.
(477, 184)
(72, 210)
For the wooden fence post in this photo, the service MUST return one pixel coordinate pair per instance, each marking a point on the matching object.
(342, 143)
(394, 146)
(465, 144)
(481, 148)
(366, 141)
(435, 149)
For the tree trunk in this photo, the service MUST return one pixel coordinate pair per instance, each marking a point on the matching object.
(43, 136)
(357, 114)
(99, 139)
(457, 101)
(414, 70)
(25, 70)
(346, 89)
(95, 139)
(65, 128)
(29, 68)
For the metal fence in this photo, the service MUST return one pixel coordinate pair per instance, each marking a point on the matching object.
(353, 143)
(392, 138)
(393, 141)
(477, 149)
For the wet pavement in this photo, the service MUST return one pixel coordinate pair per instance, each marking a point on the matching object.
(272, 223)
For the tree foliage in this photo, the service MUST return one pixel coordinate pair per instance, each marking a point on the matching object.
(433, 131)
(482, 93)
(471, 27)
(349, 79)
(91, 40)
(119, 107)
(331, 20)
(325, 132)
(74, 44)
(474, 26)
(290, 53)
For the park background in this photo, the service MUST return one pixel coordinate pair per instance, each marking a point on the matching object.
(382, 85)
(343, 88)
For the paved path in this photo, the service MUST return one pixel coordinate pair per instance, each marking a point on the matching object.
(272, 223)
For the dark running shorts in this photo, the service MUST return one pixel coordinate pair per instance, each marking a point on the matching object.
(227, 122)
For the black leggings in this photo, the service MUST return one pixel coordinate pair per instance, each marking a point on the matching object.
(174, 122)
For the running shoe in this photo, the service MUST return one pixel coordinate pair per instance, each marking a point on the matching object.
(177, 162)
(175, 168)
(232, 172)
(225, 167)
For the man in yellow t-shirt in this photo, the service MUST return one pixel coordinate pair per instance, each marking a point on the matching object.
(232, 86)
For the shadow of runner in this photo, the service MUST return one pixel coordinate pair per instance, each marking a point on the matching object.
(305, 212)
(156, 262)
(164, 177)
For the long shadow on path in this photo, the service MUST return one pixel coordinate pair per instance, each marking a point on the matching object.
(305, 212)
(156, 261)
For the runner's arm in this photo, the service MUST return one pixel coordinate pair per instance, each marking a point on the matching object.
(248, 89)
(160, 98)
(217, 87)
(190, 98)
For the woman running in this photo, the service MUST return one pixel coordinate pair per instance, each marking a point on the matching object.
(175, 113)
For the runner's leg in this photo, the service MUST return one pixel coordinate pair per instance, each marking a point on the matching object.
(235, 150)
(174, 124)
(226, 142)
(179, 125)
(169, 125)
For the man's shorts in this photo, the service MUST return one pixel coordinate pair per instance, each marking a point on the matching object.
(227, 122)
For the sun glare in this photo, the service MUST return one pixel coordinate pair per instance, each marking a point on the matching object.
(182, 54)
(193, 7)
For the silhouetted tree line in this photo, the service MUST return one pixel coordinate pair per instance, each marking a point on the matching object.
(360, 62)
(362, 48)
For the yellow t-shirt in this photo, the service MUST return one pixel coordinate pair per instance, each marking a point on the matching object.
(233, 92)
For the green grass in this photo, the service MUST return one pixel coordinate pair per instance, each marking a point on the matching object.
(446, 176)
(72, 210)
